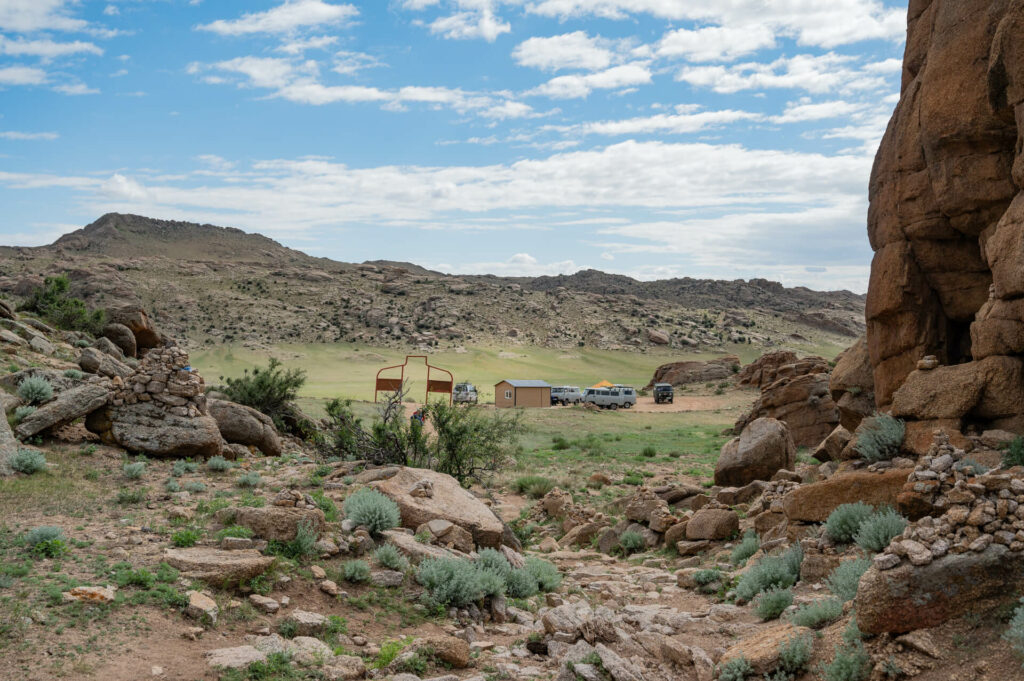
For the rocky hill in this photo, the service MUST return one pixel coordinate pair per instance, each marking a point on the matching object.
(212, 284)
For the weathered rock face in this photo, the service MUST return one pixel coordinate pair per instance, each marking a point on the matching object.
(121, 336)
(67, 407)
(945, 216)
(244, 425)
(95, 361)
(765, 368)
(799, 396)
(217, 566)
(852, 385)
(813, 503)
(137, 321)
(762, 449)
(278, 523)
(682, 373)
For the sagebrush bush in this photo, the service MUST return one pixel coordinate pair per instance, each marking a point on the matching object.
(880, 438)
(844, 579)
(520, 583)
(46, 541)
(181, 467)
(74, 374)
(134, 470)
(27, 461)
(969, 466)
(195, 486)
(707, 580)
(547, 575)
(491, 583)
(172, 486)
(795, 654)
(533, 486)
(630, 542)
(778, 571)
(450, 581)
(369, 508)
(23, 412)
(842, 524)
(219, 464)
(35, 390)
(851, 661)
(391, 558)
(747, 547)
(817, 614)
(249, 480)
(1014, 634)
(494, 561)
(770, 604)
(736, 669)
(877, 531)
(355, 571)
(1014, 454)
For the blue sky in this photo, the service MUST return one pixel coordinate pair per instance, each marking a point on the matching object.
(656, 138)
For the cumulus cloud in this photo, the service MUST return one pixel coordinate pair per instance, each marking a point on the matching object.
(580, 85)
(22, 75)
(45, 49)
(16, 135)
(285, 18)
(575, 50)
(26, 16)
(828, 72)
(518, 265)
(296, 47)
(715, 43)
(476, 19)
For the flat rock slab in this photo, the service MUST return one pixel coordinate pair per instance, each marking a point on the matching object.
(813, 503)
(69, 405)
(278, 523)
(217, 566)
(234, 658)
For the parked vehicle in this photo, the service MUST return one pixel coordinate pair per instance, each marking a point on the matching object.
(566, 394)
(611, 398)
(663, 392)
(464, 393)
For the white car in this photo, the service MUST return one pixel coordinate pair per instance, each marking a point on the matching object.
(611, 398)
(464, 393)
(566, 394)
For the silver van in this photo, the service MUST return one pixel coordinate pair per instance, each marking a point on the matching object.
(611, 398)
(464, 393)
(566, 394)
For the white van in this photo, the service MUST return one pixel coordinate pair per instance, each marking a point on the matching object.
(611, 398)
(566, 394)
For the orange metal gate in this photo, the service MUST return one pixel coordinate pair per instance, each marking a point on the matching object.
(439, 385)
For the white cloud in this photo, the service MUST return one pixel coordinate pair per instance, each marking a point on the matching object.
(15, 135)
(296, 47)
(26, 16)
(45, 49)
(814, 73)
(577, 85)
(807, 111)
(111, 10)
(475, 20)
(21, 75)
(518, 265)
(76, 89)
(575, 50)
(285, 18)
(348, 63)
(123, 188)
(715, 43)
(679, 123)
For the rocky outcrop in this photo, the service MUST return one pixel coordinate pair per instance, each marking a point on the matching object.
(218, 567)
(277, 523)
(65, 408)
(762, 449)
(852, 385)
(137, 321)
(799, 396)
(683, 373)
(814, 502)
(764, 370)
(95, 361)
(244, 425)
(946, 211)
(447, 500)
(121, 336)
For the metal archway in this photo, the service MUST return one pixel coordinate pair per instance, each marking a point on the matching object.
(438, 386)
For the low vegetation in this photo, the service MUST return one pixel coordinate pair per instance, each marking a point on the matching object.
(875, 533)
(844, 522)
(53, 302)
(777, 571)
(881, 438)
(771, 603)
(844, 579)
(35, 390)
(271, 390)
(370, 509)
(817, 614)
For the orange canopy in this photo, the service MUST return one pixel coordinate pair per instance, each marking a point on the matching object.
(603, 384)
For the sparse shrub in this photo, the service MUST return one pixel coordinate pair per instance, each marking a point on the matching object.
(218, 464)
(249, 480)
(533, 486)
(520, 583)
(632, 479)
(851, 662)
(1014, 634)
(185, 538)
(630, 542)
(492, 560)
(238, 531)
(272, 391)
(1014, 454)
(491, 583)
(969, 466)
(450, 581)
(46, 541)
(770, 604)
(547, 575)
(35, 390)
(649, 451)
(53, 301)
(288, 629)
(877, 531)
(779, 571)
(327, 505)
(391, 558)
(172, 486)
(74, 374)
(844, 522)
(27, 461)
(795, 654)
(747, 547)
(844, 579)
(182, 466)
(469, 443)
(131, 496)
(23, 412)
(133, 470)
(355, 571)
(817, 614)
(880, 440)
(195, 487)
(559, 443)
(736, 669)
(372, 510)
(707, 580)
(301, 547)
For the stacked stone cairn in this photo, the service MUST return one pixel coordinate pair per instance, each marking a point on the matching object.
(976, 510)
(164, 378)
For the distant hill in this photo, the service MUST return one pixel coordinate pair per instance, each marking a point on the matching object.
(212, 284)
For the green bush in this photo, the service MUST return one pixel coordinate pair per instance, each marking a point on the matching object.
(237, 531)
(1014, 454)
(880, 438)
(875, 533)
(249, 480)
(817, 614)
(777, 571)
(172, 486)
(1014, 634)
(35, 390)
(23, 412)
(195, 487)
(747, 547)
(355, 571)
(705, 578)
(851, 662)
(369, 508)
(131, 496)
(54, 302)
(302, 546)
(520, 583)
(326, 504)
(450, 581)
(185, 538)
(272, 391)
(794, 655)
(736, 669)
(181, 467)
(46, 541)
(390, 557)
(547, 575)
(649, 451)
(770, 604)
(630, 542)
(469, 442)
(494, 561)
(844, 579)
(559, 443)
(27, 461)
(74, 374)
(844, 522)
(133, 470)
(533, 486)
(218, 464)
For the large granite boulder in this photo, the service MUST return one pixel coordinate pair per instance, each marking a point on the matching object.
(65, 408)
(146, 428)
(683, 373)
(814, 502)
(244, 425)
(424, 495)
(800, 397)
(762, 449)
(121, 336)
(764, 370)
(95, 361)
(218, 567)
(137, 321)
(276, 523)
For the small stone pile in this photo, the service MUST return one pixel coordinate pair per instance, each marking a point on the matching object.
(976, 510)
(293, 498)
(163, 377)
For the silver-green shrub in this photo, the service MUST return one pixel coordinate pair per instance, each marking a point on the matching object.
(27, 461)
(390, 557)
(35, 390)
(844, 522)
(355, 571)
(747, 547)
(844, 579)
(881, 438)
(778, 571)
(770, 604)
(877, 531)
(23, 412)
(817, 614)
(369, 508)
(134, 470)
